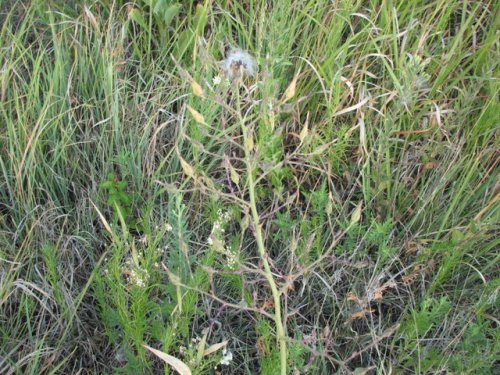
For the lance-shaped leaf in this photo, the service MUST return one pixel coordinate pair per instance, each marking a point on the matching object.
(176, 363)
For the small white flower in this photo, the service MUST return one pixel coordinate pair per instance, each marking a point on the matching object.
(140, 282)
(168, 227)
(239, 63)
(217, 80)
(210, 241)
(135, 274)
(232, 259)
(227, 357)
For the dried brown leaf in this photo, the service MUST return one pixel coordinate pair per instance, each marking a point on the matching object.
(176, 363)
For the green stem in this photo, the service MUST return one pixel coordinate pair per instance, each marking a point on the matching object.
(280, 329)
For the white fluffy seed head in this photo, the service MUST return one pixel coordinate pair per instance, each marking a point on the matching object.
(238, 63)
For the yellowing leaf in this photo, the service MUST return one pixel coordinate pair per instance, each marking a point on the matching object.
(379, 294)
(104, 221)
(329, 205)
(245, 223)
(174, 279)
(188, 169)
(215, 347)
(197, 89)
(352, 108)
(356, 215)
(249, 142)
(177, 364)
(304, 132)
(90, 16)
(217, 244)
(235, 177)
(290, 90)
(360, 314)
(272, 118)
(198, 117)
(352, 297)
(320, 149)
(429, 165)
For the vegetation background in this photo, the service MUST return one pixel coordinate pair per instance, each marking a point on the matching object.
(335, 213)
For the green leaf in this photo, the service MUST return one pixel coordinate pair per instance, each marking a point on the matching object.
(136, 16)
(200, 18)
(457, 236)
(112, 198)
(107, 184)
(183, 42)
(159, 7)
(170, 13)
(123, 197)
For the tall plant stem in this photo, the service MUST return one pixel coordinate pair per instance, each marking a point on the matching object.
(250, 164)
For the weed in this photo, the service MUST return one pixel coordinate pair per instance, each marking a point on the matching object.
(249, 187)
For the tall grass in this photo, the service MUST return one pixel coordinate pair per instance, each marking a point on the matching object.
(336, 213)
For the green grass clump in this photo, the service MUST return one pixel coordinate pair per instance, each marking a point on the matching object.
(336, 212)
